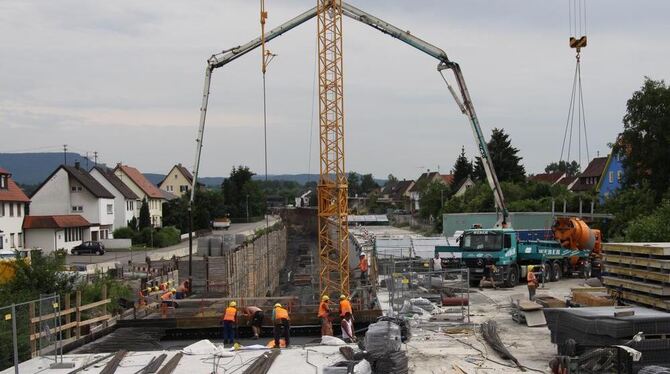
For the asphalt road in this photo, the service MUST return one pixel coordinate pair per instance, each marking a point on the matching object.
(140, 255)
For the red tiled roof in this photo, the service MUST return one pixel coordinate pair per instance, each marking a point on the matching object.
(547, 177)
(448, 179)
(55, 222)
(141, 181)
(595, 168)
(13, 192)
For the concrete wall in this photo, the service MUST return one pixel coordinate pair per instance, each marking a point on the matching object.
(116, 243)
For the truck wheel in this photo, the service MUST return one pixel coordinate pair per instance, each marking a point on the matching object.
(474, 283)
(512, 277)
(556, 271)
(548, 273)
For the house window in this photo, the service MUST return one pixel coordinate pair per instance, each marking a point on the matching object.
(20, 235)
(611, 176)
(19, 208)
(183, 188)
(175, 176)
(77, 208)
(619, 176)
(76, 188)
(110, 209)
(3, 182)
(11, 241)
(11, 209)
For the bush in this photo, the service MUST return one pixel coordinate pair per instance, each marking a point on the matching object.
(115, 289)
(166, 236)
(124, 233)
(651, 228)
(143, 236)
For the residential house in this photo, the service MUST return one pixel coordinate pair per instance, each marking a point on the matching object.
(398, 193)
(569, 182)
(71, 190)
(125, 200)
(178, 181)
(612, 177)
(144, 189)
(549, 178)
(588, 180)
(463, 186)
(13, 203)
(424, 180)
(54, 232)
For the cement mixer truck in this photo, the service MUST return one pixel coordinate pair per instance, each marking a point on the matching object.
(571, 251)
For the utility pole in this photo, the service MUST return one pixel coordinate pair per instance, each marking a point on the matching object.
(247, 208)
(87, 160)
(64, 154)
(95, 158)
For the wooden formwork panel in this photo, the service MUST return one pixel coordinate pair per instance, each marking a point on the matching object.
(651, 288)
(655, 249)
(643, 299)
(638, 273)
(638, 261)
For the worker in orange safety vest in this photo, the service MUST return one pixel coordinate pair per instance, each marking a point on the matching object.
(532, 283)
(280, 319)
(229, 321)
(166, 301)
(345, 306)
(324, 315)
(363, 266)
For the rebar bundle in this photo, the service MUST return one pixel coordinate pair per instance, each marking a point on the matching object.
(490, 333)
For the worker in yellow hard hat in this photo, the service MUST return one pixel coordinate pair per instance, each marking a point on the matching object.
(229, 321)
(281, 322)
(166, 302)
(324, 315)
(532, 283)
(345, 306)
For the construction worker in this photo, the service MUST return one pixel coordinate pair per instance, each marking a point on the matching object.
(182, 290)
(141, 301)
(229, 321)
(489, 271)
(166, 301)
(532, 283)
(324, 314)
(363, 266)
(345, 306)
(255, 317)
(280, 319)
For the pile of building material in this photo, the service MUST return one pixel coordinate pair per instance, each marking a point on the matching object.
(591, 296)
(382, 343)
(638, 273)
(575, 330)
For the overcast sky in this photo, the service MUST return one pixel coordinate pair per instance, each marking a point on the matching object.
(124, 78)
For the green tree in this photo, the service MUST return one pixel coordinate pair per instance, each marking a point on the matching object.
(570, 168)
(354, 183)
(627, 205)
(462, 168)
(132, 223)
(432, 199)
(646, 137)
(651, 228)
(368, 184)
(238, 189)
(145, 217)
(505, 160)
(391, 179)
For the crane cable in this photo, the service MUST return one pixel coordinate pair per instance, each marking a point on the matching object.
(578, 40)
(266, 58)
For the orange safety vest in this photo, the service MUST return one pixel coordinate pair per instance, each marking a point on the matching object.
(280, 314)
(345, 306)
(230, 314)
(324, 311)
(363, 264)
(166, 296)
(532, 281)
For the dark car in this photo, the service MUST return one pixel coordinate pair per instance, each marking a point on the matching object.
(89, 247)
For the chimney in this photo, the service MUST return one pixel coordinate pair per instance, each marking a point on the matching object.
(77, 164)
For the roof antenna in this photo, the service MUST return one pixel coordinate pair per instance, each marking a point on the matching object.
(64, 154)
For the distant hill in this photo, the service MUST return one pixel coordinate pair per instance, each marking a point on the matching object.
(33, 168)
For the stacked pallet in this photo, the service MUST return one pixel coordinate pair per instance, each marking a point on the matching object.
(638, 273)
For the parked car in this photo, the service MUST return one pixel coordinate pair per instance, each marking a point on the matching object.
(89, 247)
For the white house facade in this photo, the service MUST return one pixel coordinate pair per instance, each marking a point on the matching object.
(13, 202)
(126, 202)
(144, 189)
(56, 232)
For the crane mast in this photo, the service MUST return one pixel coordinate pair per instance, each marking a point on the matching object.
(332, 188)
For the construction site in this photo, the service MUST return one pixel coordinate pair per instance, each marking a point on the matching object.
(320, 290)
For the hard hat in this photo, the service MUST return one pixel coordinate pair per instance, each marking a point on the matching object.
(148, 289)
(277, 305)
(362, 254)
(342, 297)
(155, 288)
(325, 298)
(530, 267)
(173, 290)
(232, 303)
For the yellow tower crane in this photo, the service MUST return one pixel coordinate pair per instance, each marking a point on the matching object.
(333, 187)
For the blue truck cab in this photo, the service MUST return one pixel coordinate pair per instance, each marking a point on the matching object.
(510, 255)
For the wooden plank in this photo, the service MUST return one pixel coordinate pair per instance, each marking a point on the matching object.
(95, 304)
(639, 273)
(51, 316)
(655, 289)
(639, 261)
(588, 289)
(656, 249)
(94, 320)
(53, 330)
(643, 299)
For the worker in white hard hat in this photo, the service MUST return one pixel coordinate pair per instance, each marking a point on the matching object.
(324, 315)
